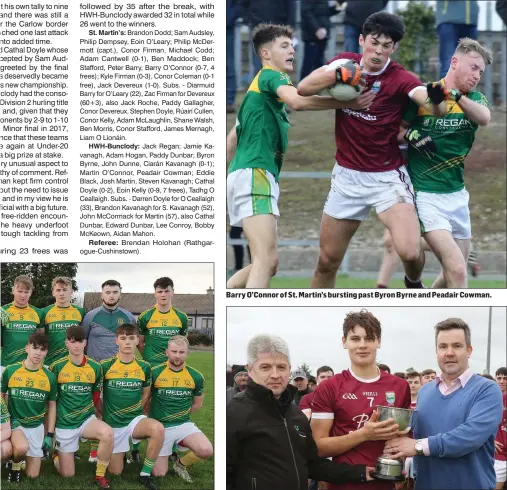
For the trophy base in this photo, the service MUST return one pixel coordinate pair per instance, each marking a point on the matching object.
(378, 476)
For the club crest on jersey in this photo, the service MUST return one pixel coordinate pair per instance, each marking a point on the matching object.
(376, 87)
(390, 397)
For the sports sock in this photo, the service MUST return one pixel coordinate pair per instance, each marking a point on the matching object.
(16, 466)
(189, 458)
(381, 286)
(101, 468)
(135, 447)
(147, 467)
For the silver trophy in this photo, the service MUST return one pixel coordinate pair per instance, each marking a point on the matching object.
(386, 467)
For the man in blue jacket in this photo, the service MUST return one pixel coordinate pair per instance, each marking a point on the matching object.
(457, 419)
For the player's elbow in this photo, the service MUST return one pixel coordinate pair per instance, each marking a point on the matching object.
(485, 120)
(304, 89)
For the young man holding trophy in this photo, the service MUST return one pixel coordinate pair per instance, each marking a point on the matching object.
(346, 422)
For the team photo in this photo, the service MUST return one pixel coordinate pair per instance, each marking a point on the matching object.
(111, 384)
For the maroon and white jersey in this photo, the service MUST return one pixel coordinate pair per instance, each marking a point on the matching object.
(306, 401)
(367, 140)
(501, 435)
(349, 401)
(412, 405)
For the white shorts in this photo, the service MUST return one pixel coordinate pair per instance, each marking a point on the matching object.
(445, 212)
(35, 438)
(122, 436)
(501, 470)
(174, 435)
(354, 193)
(251, 191)
(67, 440)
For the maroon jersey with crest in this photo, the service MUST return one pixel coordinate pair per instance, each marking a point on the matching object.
(501, 435)
(349, 401)
(367, 140)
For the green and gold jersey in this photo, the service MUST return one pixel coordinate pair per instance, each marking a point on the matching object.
(173, 392)
(4, 417)
(15, 333)
(453, 135)
(262, 125)
(29, 391)
(56, 320)
(123, 389)
(158, 327)
(76, 383)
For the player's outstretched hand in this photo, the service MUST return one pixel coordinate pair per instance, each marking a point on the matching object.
(380, 431)
(363, 101)
(421, 142)
(350, 74)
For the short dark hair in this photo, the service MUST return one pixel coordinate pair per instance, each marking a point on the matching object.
(400, 375)
(451, 324)
(428, 371)
(38, 339)
(266, 33)
(163, 283)
(127, 329)
(110, 282)
(501, 371)
(324, 369)
(75, 332)
(384, 23)
(363, 319)
(311, 379)
(488, 376)
(384, 367)
(413, 374)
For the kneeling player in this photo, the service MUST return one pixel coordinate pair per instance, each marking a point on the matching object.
(177, 391)
(79, 381)
(31, 392)
(127, 386)
(5, 432)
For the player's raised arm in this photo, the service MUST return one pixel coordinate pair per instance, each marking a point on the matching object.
(291, 97)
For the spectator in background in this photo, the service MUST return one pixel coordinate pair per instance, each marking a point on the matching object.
(315, 27)
(501, 9)
(501, 436)
(455, 20)
(300, 381)
(384, 368)
(401, 375)
(427, 376)
(501, 378)
(232, 15)
(266, 11)
(356, 12)
(240, 381)
(323, 373)
(312, 383)
(414, 381)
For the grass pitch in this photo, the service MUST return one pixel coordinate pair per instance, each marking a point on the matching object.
(202, 472)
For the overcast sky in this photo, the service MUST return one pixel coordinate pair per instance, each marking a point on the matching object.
(314, 334)
(189, 278)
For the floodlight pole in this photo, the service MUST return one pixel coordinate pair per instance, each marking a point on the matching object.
(488, 355)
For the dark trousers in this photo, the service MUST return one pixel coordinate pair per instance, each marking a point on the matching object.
(239, 252)
(449, 35)
(313, 57)
(230, 79)
(351, 38)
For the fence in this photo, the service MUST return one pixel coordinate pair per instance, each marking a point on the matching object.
(492, 84)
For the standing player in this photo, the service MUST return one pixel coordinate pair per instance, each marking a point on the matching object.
(305, 405)
(100, 326)
(24, 320)
(427, 376)
(5, 432)
(438, 179)
(159, 323)
(344, 419)
(31, 392)
(56, 318)
(79, 380)
(369, 170)
(261, 137)
(501, 436)
(414, 381)
(127, 386)
(178, 391)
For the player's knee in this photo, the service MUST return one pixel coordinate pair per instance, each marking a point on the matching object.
(205, 451)
(269, 261)
(66, 472)
(105, 434)
(328, 262)
(19, 451)
(157, 431)
(6, 450)
(113, 470)
(410, 254)
(457, 273)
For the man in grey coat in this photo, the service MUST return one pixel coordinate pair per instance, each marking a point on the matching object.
(240, 382)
